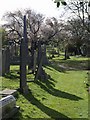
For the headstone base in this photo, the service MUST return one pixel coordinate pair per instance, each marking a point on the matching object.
(7, 92)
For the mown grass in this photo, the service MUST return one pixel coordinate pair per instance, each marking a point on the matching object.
(63, 95)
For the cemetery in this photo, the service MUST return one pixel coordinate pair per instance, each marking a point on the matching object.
(45, 68)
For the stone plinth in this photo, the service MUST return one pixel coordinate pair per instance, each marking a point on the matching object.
(8, 92)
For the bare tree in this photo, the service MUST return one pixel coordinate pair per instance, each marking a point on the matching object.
(14, 22)
(51, 31)
(80, 10)
(34, 21)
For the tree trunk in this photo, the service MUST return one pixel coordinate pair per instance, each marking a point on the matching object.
(30, 66)
(40, 74)
(39, 53)
(45, 59)
(66, 54)
(58, 51)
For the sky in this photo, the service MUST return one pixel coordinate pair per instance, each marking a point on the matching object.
(46, 7)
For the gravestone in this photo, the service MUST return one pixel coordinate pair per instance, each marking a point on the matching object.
(8, 107)
(5, 60)
(23, 61)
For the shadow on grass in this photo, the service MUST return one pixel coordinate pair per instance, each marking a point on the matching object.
(18, 116)
(49, 111)
(11, 75)
(65, 65)
(56, 66)
(48, 86)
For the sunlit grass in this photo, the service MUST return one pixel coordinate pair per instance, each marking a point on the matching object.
(63, 95)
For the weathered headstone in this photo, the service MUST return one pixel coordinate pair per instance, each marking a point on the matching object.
(8, 107)
(5, 60)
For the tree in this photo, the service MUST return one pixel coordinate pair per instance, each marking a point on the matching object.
(77, 32)
(50, 31)
(34, 21)
(14, 28)
(80, 10)
(3, 37)
(14, 23)
(58, 2)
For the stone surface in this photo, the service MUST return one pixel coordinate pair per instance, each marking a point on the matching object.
(8, 92)
(23, 60)
(11, 113)
(8, 107)
(5, 60)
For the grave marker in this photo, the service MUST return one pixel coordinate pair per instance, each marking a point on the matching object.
(23, 61)
(8, 107)
(5, 60)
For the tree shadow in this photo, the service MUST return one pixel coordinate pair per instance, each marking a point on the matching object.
(17, 116)
(66, 65)
(47, 66)
(56, 66)
(49, 111)
(49, 87)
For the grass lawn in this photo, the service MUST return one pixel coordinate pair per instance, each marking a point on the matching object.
(64, 95)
